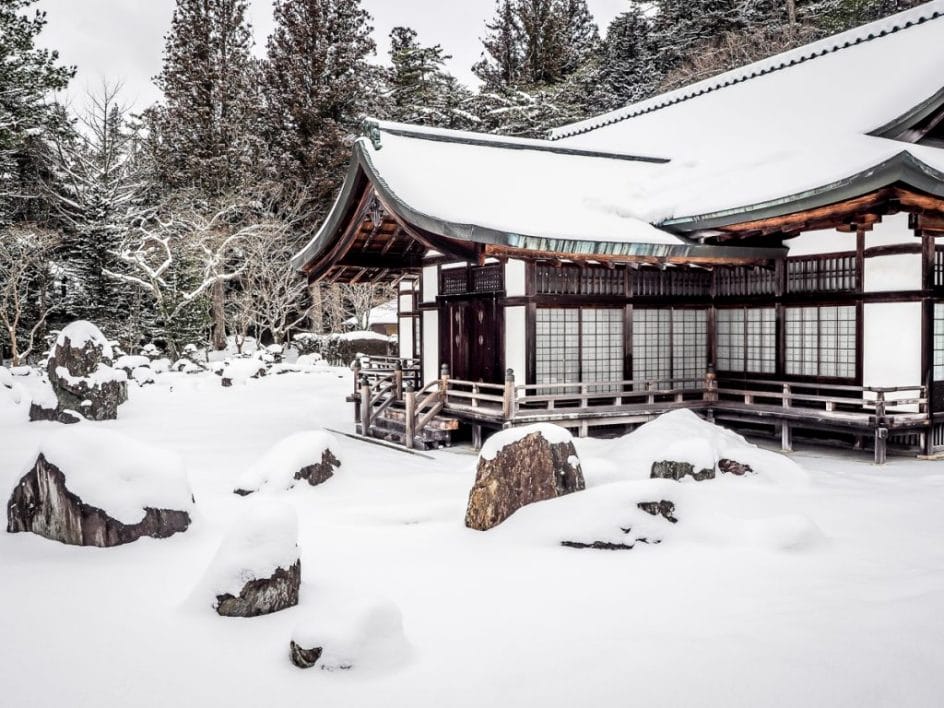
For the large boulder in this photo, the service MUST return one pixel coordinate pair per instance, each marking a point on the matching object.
(521, 466)
(257, 570)
(81, 374)
(91, 487)
(309, 456)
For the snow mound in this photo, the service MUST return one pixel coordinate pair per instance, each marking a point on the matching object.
(275, 470)
(160, 366)
(365, 636)
(496, 443)
(777, 533)
(362, 334)
(143, 375)
(80, 333)
(241, 370)
(130, 363)
(264, 539)
(681, 436)
(117, 474)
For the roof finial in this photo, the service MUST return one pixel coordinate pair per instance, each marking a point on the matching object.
(371, 129)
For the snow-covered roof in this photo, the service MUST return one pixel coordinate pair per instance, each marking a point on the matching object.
(519, 193)
(383, 314)
(801, 120)
(805, 128)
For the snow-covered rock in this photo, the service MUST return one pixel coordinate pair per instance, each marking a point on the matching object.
(93, 487)
(186, 366)
(129, 363)
(257, 569)
(521, 466)
(143, 375)
(80, 371)
(239, 371)
(358, 636)
(679, 444)
(160, 365)
(308, 455)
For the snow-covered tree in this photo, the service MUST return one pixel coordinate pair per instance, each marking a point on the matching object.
(177, 255)
(532, 43)
(623, 71)
(27, 274)
(421, 90)
(27, 76)
(97, 192)
(205, 127)
(316, 81)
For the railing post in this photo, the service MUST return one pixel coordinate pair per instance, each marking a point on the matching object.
(398, 381)
(366, 406)
(409, 431)
(357, 375)
(786, 433)
(508, 395)
(444, 378)
(711, 385)
(881, 432)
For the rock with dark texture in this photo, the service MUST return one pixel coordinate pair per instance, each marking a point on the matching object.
(663, 508)
(304, 658)
(304, 456)
(733, 467)
(519, 467)
(43, 504)
(262, 596)
(319, 472)
(81, 374)
(669, 469)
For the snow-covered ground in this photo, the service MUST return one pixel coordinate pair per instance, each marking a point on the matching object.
(826, 591)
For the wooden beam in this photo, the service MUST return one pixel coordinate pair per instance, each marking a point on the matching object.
(495, 250)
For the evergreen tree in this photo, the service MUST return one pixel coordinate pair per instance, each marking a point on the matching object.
(208, 79)
(624, 69)
(502, 60)
(536, 43)
(27, 76)
(317, 82)
(421, 91)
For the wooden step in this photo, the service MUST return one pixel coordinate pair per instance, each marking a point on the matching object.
(439, 422)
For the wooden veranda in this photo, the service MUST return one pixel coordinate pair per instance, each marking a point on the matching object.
(390, 404)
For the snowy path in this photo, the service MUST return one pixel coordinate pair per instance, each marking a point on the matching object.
(495, 619)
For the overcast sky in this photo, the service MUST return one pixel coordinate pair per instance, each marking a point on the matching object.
(123, 39)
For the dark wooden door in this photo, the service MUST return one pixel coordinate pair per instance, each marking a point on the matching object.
(472, 340)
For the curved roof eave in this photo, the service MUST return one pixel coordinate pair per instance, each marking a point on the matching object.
(903, 167)
(362, 165)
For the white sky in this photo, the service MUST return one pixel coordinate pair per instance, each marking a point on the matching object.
(122, 40)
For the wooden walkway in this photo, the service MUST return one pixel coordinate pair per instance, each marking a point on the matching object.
(388, 406)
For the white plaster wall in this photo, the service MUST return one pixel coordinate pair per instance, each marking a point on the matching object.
(406, 303)
(891, 344)
(405, 338)
(516, 342)
(430, 283)
(892, 230)
(812, 243)
(430, 346)
(899, 272)
(514, 279)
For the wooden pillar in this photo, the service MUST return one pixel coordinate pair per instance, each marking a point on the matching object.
(365, 406)
(477, 437)
(409, 430)
(786, 433)
(881, 432)
(398, 380)
(508, 395)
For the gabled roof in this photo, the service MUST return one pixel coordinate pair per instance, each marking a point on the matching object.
(527, 195)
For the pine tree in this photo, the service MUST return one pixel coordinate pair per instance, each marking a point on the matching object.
(208, 80)
(623, 71)
(536, 43)
(316, 84)
(502, 59)
(421, 90)
(27, 76)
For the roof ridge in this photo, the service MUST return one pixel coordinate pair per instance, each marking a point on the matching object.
(799, 55)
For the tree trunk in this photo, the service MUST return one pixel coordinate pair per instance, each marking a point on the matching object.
(317, 309)
(218, 314)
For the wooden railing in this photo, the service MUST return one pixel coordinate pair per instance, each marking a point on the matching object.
(876, 408)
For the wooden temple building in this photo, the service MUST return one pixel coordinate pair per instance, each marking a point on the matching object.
(761, 246)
